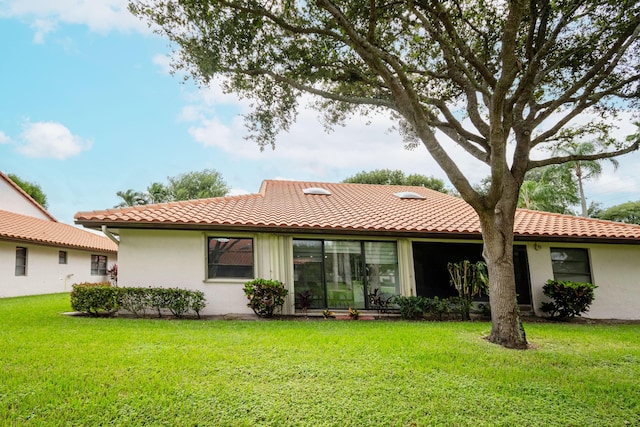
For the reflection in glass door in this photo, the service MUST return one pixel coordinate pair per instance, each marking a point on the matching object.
(343, 274)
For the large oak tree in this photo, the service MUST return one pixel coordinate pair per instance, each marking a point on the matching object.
(498, 78)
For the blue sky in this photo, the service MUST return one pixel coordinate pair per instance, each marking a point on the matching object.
(88, 108)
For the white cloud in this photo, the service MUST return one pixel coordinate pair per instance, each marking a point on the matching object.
(213, 133)
(101, 16)
(307, 152)
(164, 62)
(50, 140)
(4, 139)
(42, 27)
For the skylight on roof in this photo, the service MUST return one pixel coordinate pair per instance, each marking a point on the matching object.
(409, 195)
(317, 190)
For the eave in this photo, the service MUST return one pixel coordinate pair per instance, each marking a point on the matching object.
(115, 226)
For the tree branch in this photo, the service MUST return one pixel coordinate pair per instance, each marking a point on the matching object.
(587, 157)
(359, 100)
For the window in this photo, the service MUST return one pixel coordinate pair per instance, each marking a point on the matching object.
(62, 257)
(98, 265)
(21, 261)
(342, 273)
(229, 258)
(571, 264)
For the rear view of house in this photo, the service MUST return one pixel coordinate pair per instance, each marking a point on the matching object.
(338, 243)
(40, 255)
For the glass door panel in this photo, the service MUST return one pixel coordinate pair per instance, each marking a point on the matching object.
(307, 272)
(382, 268)
(343, 274)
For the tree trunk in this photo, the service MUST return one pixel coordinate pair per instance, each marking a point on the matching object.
(497, 233)
(583, 200)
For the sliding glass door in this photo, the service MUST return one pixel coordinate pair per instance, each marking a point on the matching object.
(343, 273)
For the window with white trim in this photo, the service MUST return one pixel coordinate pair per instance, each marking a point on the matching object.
(229, 257)
(571, 264)
(98, 265)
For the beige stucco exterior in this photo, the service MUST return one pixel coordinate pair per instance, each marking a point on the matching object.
(178, 259)
(615, 269)
(44, 273)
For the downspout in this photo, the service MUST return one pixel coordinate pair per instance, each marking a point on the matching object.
(110, 235)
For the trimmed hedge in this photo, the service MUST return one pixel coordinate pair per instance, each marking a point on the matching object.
(96, 299)
(99, 299)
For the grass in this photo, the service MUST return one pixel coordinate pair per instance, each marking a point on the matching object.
(57, 370)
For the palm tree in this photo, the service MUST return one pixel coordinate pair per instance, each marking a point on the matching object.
(550, 189)
(158, 193)
(584, 169)
(131, 198)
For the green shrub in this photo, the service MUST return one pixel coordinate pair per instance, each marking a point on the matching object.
(197, 302)
(158, 299)
(470, 280)
(265, 296)
(461, 306)
(437, 306)
(570, 299)
(94, 298)
(411, 308)
(134, 300)
(102, 298)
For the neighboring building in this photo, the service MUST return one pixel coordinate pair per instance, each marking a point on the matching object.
(39, 255)
(341, 241)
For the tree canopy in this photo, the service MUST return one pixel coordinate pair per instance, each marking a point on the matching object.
(550, 189)
(628, 212)
(187, 186)
(501, 79)
(32, 189)
(131, 197)
(197, 185)
(396, 177)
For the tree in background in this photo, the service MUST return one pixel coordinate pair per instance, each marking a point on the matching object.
(549, 189)
(187, 186)
(131, 197)
(158, 193)
(626, 212)
(197, 185)
(32, 189)
(584, 169)
(497, 78)
(396, 177)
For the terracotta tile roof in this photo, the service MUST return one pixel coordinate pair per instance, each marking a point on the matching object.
(350, 208)
(27, 196)
(25, 228)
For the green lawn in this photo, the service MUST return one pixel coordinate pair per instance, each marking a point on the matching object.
(77, 371)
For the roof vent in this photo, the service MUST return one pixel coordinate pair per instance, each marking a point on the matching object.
(409, 195)
(317, 190)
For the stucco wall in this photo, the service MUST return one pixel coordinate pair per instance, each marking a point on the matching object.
(44, 273)
(13, 201)
(178, 259)
(615, 269)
